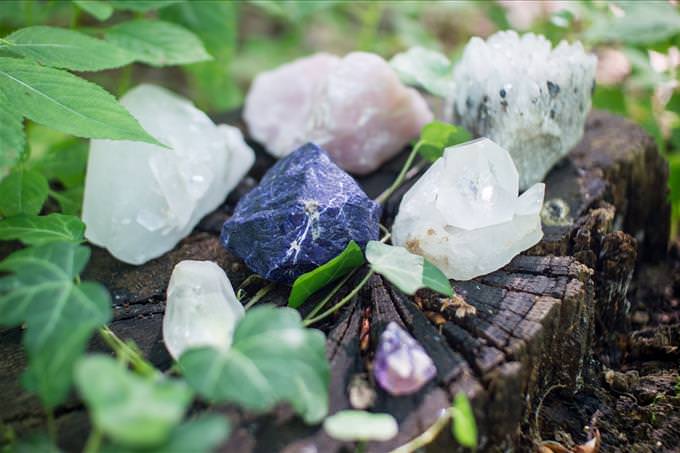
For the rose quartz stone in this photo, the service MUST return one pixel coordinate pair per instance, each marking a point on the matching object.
(355, 107)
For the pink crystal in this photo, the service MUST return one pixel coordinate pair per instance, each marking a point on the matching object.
(401, 365)
(354, 107)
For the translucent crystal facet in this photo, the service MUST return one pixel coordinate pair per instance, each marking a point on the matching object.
(401, 365)
(201, 308)
(141, 199)
(354, 107)
(464, 214)
(526, 96)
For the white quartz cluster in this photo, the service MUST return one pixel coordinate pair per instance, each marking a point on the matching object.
(464, 213)
(524, 95)
(141, 199)
(201, 308)
(354, 107)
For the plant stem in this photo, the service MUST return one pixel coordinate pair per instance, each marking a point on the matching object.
(330, 295)
(341, 303)
(382, 198)
(94, 441)
(51, 426)
(427, 436)
(259, 295)
(127, 353)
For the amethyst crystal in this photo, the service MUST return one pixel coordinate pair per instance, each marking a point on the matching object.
(303, 213)
(401, 365)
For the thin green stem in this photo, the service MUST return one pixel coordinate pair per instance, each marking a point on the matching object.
(51, 426)
(127, 353)
(259, 295)
(427, 436)
(330, 295)
(341, 303)
(94, 441)
(382, 198)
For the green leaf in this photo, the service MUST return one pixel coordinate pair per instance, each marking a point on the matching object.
(309, 283)
(59, 315)
(141, 6)
(464, 427)
(610, 98)
(132, 410)
(273, 358)
(97, 8)
(34, 443)
(60, 100)
(12, 138)
(22, 192)
(40, 230)
(642, 23)
(66, 49)
(70, 200)
(406, 271)
(64, 162)
(425, 68)
(158, 43)
(353, 425)
(437, 136)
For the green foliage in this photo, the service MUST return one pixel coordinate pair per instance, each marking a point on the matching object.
(67, 49)
(12, 139)
(40, 230)
(59, 314)
(132, 410)
(158, 43)
(64, 162)
(464, 426)
(350, 425)
(641, 23)
(437, 136)
(97, 8)
(309, 283)
(406, 271)
(273, 358)
(22, 192)
(425, 68)
(141, 6)
(65, 102)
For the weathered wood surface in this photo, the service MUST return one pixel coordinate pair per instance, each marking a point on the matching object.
(535, 319)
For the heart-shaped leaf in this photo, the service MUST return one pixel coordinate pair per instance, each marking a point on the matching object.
(438, 136)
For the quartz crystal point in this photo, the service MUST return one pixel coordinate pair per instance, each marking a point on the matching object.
(527, 97)
(401, 365)
(201, 308)
(303, 213)
(141, 199)
(464, 214)
(354, 107)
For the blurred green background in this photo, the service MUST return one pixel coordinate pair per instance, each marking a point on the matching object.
(636, 42)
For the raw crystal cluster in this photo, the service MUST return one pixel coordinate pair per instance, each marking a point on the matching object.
(401, 365)
(201, 308)
(354, 107)
(141, 199)
(524, 95)
(464, 213)
(303, 213)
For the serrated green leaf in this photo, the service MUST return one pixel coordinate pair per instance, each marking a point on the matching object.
(309, 283)
(141, 6)
(273, 358)
(353, 425)
(22, 192)
(12, 137)
(158, 43)
(97, 8)
(62, 101)
(131, 410)
(64, 162)
(464, 426)
(406, 271)
(40, 230)
(437, 136)
(59, 315)
(425, 68)
(68, 49)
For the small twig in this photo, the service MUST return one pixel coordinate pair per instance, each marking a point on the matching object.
(428, 435)
(341, 303)
(259, 295)
(382, 198)
(127, 353)
(539, 406)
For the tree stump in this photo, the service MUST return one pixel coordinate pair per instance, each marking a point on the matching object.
(606, 210)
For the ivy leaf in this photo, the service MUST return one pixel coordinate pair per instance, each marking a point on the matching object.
(68, 49)
(273, 358)
(406, 271)
(40, 230)
(353, 425)
(12, 138)
(62, 101)
(309, 283)
(59, 314)
(97, 8)
(141, 6)
(464, 426)
(158, 43)
(132, 410)
(22, 192)
(425, 68)
(438, 136)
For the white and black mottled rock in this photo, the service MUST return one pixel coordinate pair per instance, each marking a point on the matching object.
(303, 213)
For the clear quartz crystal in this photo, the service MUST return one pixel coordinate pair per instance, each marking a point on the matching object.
(526, 96)
(464, 214)
(141, 199)
(201, 308)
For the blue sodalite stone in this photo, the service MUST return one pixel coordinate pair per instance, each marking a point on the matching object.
(303, 213)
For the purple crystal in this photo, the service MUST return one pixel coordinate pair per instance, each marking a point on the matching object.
(401, 365)
(303, 213)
